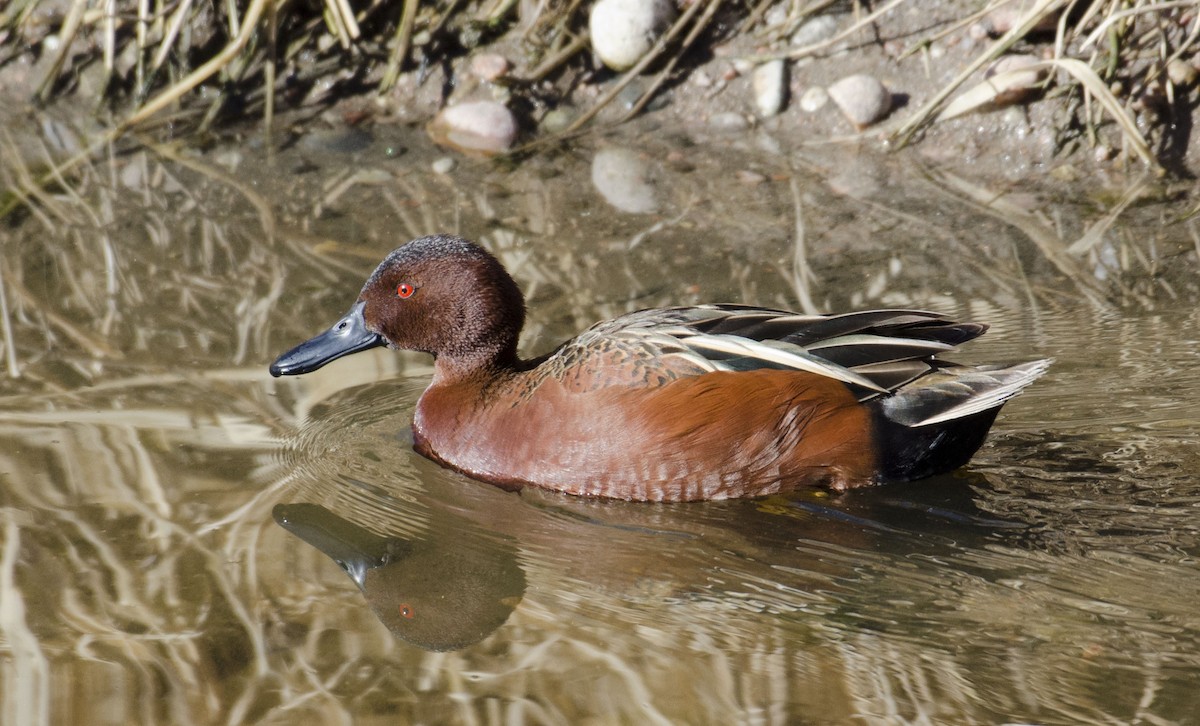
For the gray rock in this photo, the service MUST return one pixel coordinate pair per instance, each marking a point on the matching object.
(622, 178)
(815, 30)
(813, 99)
(862, 99)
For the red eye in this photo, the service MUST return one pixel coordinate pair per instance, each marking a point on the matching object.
(406, 611)
(405, 290)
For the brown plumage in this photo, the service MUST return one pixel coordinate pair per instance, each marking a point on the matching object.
(703, 402)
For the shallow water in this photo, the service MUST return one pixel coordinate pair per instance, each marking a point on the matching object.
(159, 491)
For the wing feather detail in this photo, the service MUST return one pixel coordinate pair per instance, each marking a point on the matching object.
(789, 356)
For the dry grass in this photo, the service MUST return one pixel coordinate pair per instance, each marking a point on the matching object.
(150, 58)
(1124, 77)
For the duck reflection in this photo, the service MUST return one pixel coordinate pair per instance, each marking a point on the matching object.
(454, 586)
(436, 594)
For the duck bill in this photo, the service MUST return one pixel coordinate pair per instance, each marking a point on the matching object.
(355, 549)
(348, 335)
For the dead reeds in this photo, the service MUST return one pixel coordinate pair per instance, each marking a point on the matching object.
(206, 61)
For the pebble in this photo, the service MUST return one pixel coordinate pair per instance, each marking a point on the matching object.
(777, 15)
(556, 119)
(622, 178)
(862, 99)
(483, 128)
(815, 30)
(231, 159)
(489, 66)
(444, 165)
(470, 35)
(770, 87)
(813, 99)
(133, 173)
(728, 121)
(1181, 73)
(622, 31)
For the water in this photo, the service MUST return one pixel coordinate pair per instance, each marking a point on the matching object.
(161, 495)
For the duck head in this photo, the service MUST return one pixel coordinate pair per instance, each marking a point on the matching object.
(439, 294)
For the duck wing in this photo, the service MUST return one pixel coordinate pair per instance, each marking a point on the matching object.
(875, 351)
(928, 415)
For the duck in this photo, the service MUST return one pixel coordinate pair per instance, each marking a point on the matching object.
(673, 404)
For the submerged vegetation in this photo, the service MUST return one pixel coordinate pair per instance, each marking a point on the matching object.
(144, 445)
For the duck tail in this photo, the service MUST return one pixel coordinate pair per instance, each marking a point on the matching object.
(936, 423)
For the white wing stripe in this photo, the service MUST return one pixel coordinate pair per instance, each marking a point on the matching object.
(781, 353)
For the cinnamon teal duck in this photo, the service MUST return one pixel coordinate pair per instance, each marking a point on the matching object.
(669, 404)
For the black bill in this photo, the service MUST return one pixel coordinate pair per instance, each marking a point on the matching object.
(348, 335)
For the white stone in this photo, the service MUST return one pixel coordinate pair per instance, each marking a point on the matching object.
(777, 15)
(133, 173)
(476, 127)
(770, 85)
(444, 165)
(622, 31)
(489, 66)
(862, 99)
(1181, 73)
(813, 99)
(622, 178)
(815, 30)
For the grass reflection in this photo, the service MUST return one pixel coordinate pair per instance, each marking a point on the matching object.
(144, 447)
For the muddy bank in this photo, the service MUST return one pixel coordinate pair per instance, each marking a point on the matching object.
(772, 72)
